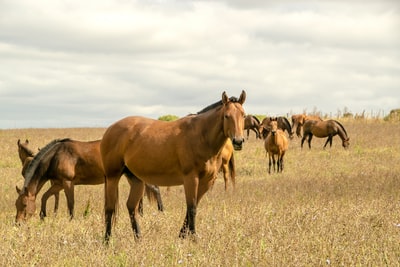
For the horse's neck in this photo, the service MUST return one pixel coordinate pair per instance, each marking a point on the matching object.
(342, 133)
(35, 185)
(212, 129)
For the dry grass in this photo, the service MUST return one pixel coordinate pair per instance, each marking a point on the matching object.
(329, 206)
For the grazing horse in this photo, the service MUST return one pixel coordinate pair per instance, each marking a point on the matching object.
(252, 123)
(26, 155)
(321, 129)
(298, 121)
(283, 124)
(185, 151)
(66, 163)
(275, 144)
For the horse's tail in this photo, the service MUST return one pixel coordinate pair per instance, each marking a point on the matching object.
(341, 126)
(153, 194)
(41, 162)
(232, 171)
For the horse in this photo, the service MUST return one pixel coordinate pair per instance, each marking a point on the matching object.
(181, 152)
(26, 155)
(298, 121)
(66, 163)
(276, 144)
(252, 123)
(283, 124)
(321, 129)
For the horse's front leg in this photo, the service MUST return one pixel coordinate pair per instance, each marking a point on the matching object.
(69, 194)
(53, 190)
(191, 185)
(136, 194)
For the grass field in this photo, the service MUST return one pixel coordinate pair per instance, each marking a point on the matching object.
(329, 207)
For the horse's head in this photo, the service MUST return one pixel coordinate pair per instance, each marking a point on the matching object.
(346, 143)
(234, 119)
(23, 150)
(25, 205)
(273, 125)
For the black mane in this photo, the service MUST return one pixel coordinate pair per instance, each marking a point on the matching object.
(217, 104)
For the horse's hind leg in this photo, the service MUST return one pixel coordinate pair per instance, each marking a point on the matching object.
(309, 140)
(110, 203)
(136, 194)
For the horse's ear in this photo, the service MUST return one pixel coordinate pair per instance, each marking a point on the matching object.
(242, 97)
(19, 141)
(27, 141)
(225, 98)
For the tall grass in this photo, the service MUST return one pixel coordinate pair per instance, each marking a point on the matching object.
(329, 207)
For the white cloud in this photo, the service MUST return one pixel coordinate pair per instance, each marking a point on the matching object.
(110, 59)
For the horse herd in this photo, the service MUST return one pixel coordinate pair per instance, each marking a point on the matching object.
(150, 153)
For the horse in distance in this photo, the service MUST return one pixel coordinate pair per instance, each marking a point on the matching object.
(283, 124)
(181, 152)
(251, 122)
(298, 121)
(276, 145)
(66, 163)
(321, 129)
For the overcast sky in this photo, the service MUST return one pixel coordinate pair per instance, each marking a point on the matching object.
(90, 63)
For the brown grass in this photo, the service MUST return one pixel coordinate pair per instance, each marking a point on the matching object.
(329, 206)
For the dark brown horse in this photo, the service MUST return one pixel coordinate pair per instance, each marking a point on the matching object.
(26, 155)
(283, 124)
(321, 129)
(275, 145)
(298, 121)
(185, 151)
(252, 123)
(66, 163)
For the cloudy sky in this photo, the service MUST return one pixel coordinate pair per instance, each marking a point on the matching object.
(89, 63)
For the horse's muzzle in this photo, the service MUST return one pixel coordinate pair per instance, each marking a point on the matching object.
(237, 143)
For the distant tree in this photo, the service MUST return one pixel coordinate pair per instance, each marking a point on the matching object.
(168, 118)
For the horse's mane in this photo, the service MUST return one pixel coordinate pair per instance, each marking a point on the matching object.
(218, 104)
(258, 121)
(34, 164)
(344, 130)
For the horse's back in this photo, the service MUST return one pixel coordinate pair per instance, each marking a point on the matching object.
(80, 161)
(151, 149)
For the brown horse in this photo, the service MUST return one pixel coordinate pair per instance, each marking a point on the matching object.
(185, 151)
(298, 121)
(26, 155)
(283, 124)
(275, 144)
(66, 163)
(252, 123)
(321, 129)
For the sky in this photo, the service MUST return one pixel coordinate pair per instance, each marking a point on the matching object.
(90, 63)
